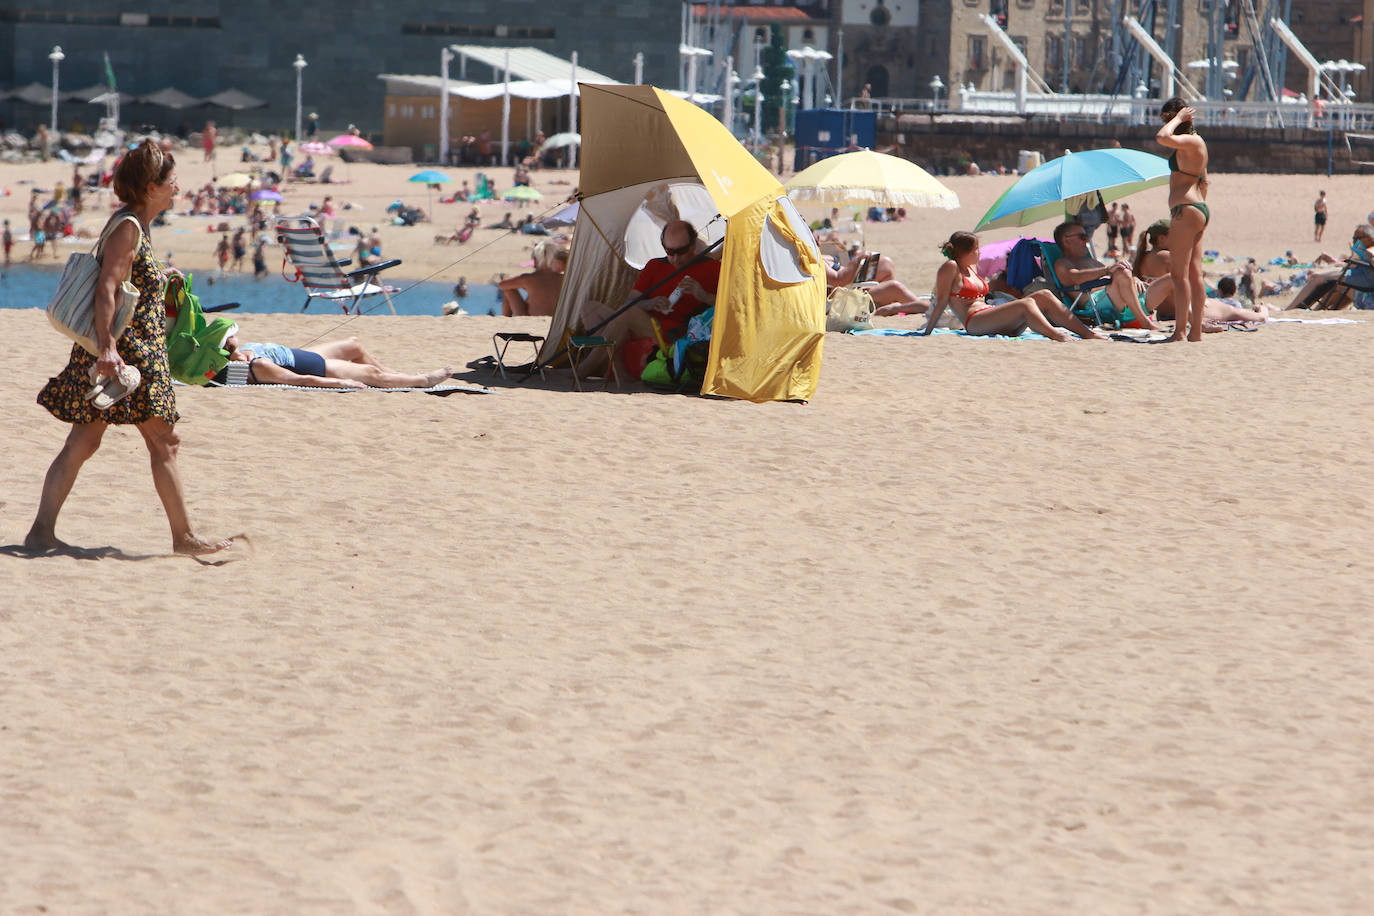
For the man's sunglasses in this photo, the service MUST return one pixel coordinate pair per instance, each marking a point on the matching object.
(672, 252)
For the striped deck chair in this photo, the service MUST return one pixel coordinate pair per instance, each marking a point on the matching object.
(322, 274)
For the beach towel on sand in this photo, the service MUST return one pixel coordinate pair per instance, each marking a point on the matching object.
(898, 332)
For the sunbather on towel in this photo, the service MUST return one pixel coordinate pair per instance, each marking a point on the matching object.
(341, 364)
(959, 287)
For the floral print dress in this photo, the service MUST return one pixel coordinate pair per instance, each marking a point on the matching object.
(144, 345)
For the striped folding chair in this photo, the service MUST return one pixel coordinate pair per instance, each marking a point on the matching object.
(322, 274)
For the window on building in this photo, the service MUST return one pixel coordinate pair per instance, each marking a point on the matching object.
(881, 15)
(998, 10)
(1083, 7)
(808, 35)
(1056, 6)
(427, 112)
(1054, 53)
(1025, 3)
(977, 52)
(1080, 51)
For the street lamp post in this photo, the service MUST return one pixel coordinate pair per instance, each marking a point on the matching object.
(300, 66)
(757, 77)
(56, 57)
(444, 57)
(782, 110)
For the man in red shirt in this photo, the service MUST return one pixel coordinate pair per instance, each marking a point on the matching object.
(672, 304)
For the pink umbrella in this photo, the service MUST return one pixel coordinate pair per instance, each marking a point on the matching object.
(350, 140)
(316, 148)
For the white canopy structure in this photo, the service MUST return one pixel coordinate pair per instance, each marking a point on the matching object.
(525, 64)
(520, 89)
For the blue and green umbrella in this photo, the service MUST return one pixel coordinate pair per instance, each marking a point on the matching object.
(1061, 186)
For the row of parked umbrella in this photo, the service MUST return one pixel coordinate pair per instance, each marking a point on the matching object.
(231, 99)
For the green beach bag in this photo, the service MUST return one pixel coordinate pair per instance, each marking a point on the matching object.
(195, 343)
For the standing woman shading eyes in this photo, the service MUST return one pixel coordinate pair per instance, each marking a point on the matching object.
(1188, 215)
(145, 181)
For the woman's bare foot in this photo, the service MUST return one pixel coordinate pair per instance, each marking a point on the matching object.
(193, 545)
(437, 376)
(43, 541)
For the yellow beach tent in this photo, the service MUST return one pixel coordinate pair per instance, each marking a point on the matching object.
(648, 157)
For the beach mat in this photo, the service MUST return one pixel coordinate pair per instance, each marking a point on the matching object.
(440, 390)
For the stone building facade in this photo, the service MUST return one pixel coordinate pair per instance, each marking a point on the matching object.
(205, 46)
(901, 46)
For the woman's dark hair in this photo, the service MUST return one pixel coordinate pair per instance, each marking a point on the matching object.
(1148, 239)
(959, 244)
(1172, 107)
(142, 165)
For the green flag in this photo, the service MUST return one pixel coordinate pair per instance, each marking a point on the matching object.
(109, 72)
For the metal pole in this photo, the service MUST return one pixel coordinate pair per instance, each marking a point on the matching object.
(572, 113)
(445, 55)
(505, 115)
(727, 112)
(758, 107)
(1068, 40)
(300, 66)
(56, 57)
(839, 70)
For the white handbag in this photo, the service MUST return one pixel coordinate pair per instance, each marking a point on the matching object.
(850, 309)
(72, 309)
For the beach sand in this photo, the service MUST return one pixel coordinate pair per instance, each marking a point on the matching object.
(989, 626)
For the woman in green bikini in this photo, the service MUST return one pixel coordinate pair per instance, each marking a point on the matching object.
(1189, 215)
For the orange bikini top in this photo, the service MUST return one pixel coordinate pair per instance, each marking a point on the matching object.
(974, 287)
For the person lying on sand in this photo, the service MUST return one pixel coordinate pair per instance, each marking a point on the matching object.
(341, 364)
(1226, 308)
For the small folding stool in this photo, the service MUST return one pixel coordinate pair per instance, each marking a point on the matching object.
(503, 339)
(578, 347)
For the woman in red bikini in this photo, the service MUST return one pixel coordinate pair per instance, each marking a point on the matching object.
(958, 286)
(1188, 215)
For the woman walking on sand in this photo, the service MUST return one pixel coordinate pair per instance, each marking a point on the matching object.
(1188, 215)
(145, 181)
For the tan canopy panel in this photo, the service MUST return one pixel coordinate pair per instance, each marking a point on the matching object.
(649, 135)
(170, 98)
(234, 100)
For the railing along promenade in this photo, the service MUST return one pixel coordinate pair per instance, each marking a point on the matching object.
(1105, 109)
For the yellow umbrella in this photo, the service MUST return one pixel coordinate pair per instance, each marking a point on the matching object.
(235, 180)
(870, 179)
